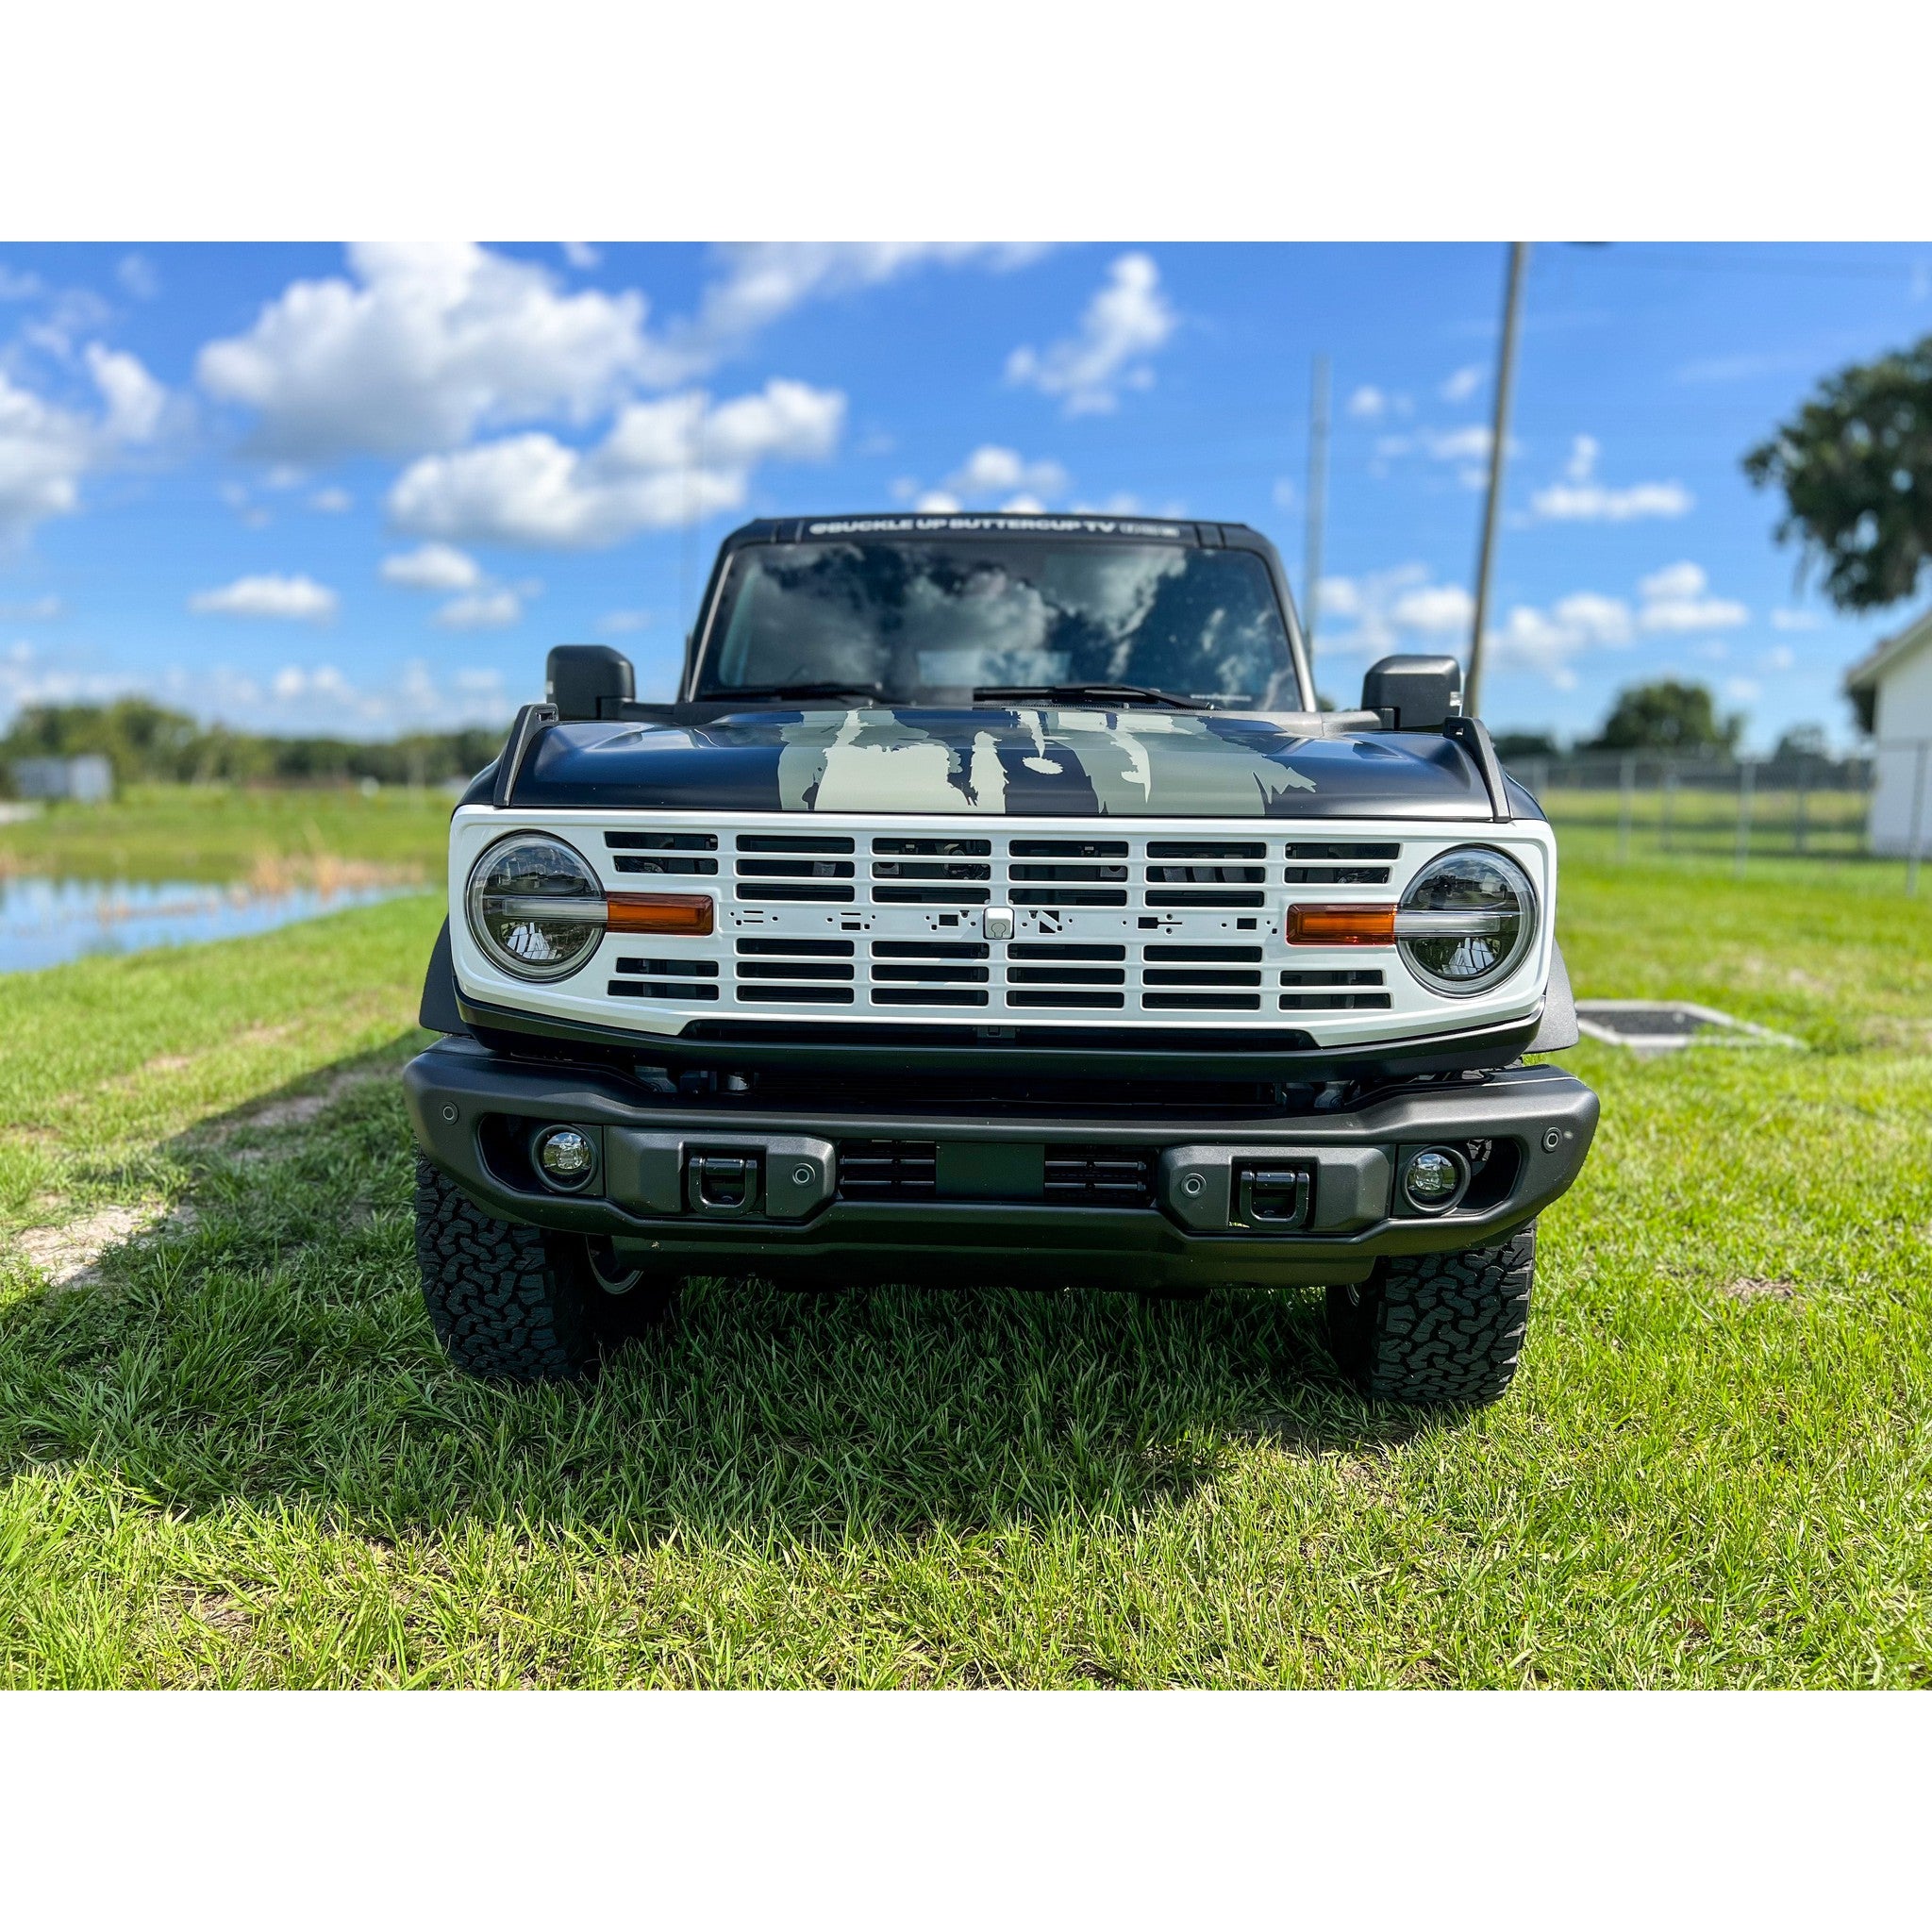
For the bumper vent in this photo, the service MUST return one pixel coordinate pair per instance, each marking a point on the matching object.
(888, 1169)
(1099, 1177)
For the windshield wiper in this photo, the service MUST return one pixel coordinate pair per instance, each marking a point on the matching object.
(828, 688)
(1079, 693)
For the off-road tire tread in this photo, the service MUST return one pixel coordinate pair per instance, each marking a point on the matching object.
(1444, 1330)
(501, 1307)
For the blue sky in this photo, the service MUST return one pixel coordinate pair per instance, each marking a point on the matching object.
(304, 488)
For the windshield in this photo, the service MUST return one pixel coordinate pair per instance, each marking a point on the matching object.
(927, 623)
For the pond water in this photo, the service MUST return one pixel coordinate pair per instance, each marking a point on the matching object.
(49, 921)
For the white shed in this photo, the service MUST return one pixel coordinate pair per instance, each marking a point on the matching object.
(1890, 687)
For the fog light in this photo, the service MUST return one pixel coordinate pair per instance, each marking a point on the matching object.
(1432, 1179)
(566, 1156)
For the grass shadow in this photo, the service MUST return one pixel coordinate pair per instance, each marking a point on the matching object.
(274, 1350)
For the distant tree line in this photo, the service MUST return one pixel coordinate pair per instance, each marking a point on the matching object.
(1668, 715)
(146, 744)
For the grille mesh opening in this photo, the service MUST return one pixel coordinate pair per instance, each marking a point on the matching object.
(670, 969)
(1323, 849)
(663, 989)
(785, 841)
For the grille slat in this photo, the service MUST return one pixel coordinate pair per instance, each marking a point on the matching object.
(1182, 929)
(885, 1170)
(1099, 1177)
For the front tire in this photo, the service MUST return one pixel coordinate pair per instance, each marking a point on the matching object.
(515, 1304)
(1436, 1331)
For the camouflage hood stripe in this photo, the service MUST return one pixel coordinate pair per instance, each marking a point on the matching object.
(1072, 762)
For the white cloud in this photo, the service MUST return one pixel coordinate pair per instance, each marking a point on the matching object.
(936, 502)
(580, 255)
(18, 285)
(136, 273)
(46, 450)
(424, 346)
(482, 610)
(1023, 505)
(663, 464)
(297, 598)
(1548, 641)
(433, 567)
(992, 469)
(759, 282)
(1459, 386)
(1127, 320)
(1580, 498)
(1436, 610)
(618, 623)
(35, 610)
(1743, 690)
(1367, 404)
(1402, 608)
(332, 501)
(1795, 619)
(1341, 597)
(135, 400)
(1469, 444)
(1594, 619)
(1675, 600)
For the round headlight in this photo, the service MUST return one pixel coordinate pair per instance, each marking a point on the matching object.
(1466, 921)
(535, 906)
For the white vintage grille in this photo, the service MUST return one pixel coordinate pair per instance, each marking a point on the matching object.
(1156, 924)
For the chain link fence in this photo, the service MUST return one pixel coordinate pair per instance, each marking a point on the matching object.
(1870, 806)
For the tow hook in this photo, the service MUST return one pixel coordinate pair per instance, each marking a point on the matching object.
(721, 1185)
(1271, 1197)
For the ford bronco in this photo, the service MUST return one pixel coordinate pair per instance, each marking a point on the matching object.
(994, 904)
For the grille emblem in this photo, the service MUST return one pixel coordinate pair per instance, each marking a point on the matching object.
(998, 922)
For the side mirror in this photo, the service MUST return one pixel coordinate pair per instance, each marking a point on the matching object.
(1413, 692)
(580, 679)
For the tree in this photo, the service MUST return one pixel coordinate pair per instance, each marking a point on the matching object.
(1801, 741)
(1666, 716)
(1856, 467)
(1519, 745)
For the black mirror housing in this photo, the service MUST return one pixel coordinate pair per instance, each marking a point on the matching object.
(1413, 691)
(582, 680)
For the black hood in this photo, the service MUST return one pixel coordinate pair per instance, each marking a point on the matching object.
(1064, 762)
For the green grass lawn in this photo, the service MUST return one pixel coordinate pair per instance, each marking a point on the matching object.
(233, 1457)
(220, 833)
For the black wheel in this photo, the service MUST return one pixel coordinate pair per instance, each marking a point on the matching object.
(513, 1303)
(1436, 1330)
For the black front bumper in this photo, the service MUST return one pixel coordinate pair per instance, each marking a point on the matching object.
(1158, 1203)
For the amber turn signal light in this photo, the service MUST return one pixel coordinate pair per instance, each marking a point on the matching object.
(686, 914)
(1342, 926)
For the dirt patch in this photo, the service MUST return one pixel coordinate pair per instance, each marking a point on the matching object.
(69, 1254)
(299, 1109)
(1755, 1287)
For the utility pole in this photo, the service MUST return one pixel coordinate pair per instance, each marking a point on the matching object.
(1499, 440)
(1318, 504)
